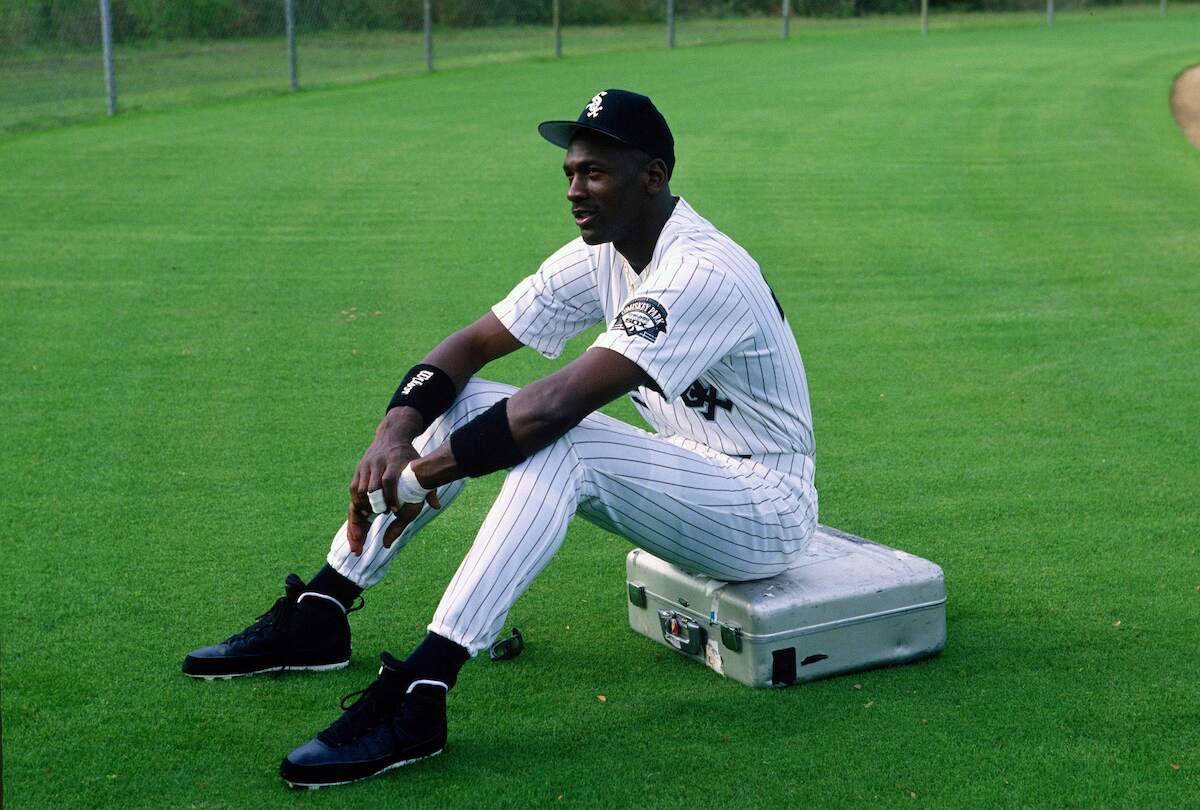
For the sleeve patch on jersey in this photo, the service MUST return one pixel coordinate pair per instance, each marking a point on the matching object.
(643, 317)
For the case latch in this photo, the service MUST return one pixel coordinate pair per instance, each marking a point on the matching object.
(637, 595)
(731, 637)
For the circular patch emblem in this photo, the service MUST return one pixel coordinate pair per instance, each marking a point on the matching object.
(643, 317)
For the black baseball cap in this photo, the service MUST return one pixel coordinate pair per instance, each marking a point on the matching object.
(627, 117)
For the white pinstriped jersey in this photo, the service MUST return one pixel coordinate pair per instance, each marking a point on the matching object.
(702, 323)
(700, 320)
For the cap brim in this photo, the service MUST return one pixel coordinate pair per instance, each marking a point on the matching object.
(560, 133)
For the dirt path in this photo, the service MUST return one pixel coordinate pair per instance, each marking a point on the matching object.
(1185, 103)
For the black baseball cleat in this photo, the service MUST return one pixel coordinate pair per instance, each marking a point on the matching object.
(302, 630)
(397, 720)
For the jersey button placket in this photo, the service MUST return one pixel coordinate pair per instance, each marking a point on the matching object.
(632, 279)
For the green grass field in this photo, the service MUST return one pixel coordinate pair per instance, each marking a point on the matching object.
(987, 243)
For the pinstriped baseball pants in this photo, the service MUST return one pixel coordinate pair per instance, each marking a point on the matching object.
(728, 518)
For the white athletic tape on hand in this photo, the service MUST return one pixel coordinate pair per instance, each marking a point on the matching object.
(408, 489)
(378, 504)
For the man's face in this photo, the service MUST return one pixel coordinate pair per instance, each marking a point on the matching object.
(606, 186)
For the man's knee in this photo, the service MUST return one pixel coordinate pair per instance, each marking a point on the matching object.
(479, 387)
(553, 469)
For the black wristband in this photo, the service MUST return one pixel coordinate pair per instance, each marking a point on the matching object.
(486, 444)
(426, 388)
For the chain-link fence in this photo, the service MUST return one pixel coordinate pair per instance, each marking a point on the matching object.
(174, 52)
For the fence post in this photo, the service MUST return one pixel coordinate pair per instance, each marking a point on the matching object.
(1162, 8)
(110, 80)
(558, 27)
(787, 17)
(670, 23)
(1050, 13)
(289, 19)
(924, 17)
(428, 35)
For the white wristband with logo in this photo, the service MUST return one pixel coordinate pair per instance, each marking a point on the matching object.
(408, 489)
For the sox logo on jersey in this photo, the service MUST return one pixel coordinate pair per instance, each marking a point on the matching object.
(699, 395)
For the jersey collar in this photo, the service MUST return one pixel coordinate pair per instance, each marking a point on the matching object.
(670, 231)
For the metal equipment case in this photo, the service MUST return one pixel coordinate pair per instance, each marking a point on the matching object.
(849, 604)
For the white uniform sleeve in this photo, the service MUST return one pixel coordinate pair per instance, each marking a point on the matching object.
(679, 322)
(554, 304)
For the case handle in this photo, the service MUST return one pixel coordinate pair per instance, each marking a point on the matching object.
(681, 632)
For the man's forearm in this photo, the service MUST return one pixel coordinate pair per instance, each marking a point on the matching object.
(543, 411)
(533, 420)
(458, 356)
(460, 359)
(403, 423)
(440, 467)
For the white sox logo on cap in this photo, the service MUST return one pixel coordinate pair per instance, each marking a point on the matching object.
(595, 107)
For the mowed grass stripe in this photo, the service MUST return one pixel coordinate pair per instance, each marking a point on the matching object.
(984, 241)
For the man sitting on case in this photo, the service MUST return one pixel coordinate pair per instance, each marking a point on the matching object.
(724, 487)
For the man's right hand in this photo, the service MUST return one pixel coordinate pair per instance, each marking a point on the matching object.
(379, 468)
(460, 355)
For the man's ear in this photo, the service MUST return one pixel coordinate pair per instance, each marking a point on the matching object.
(656, 175)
